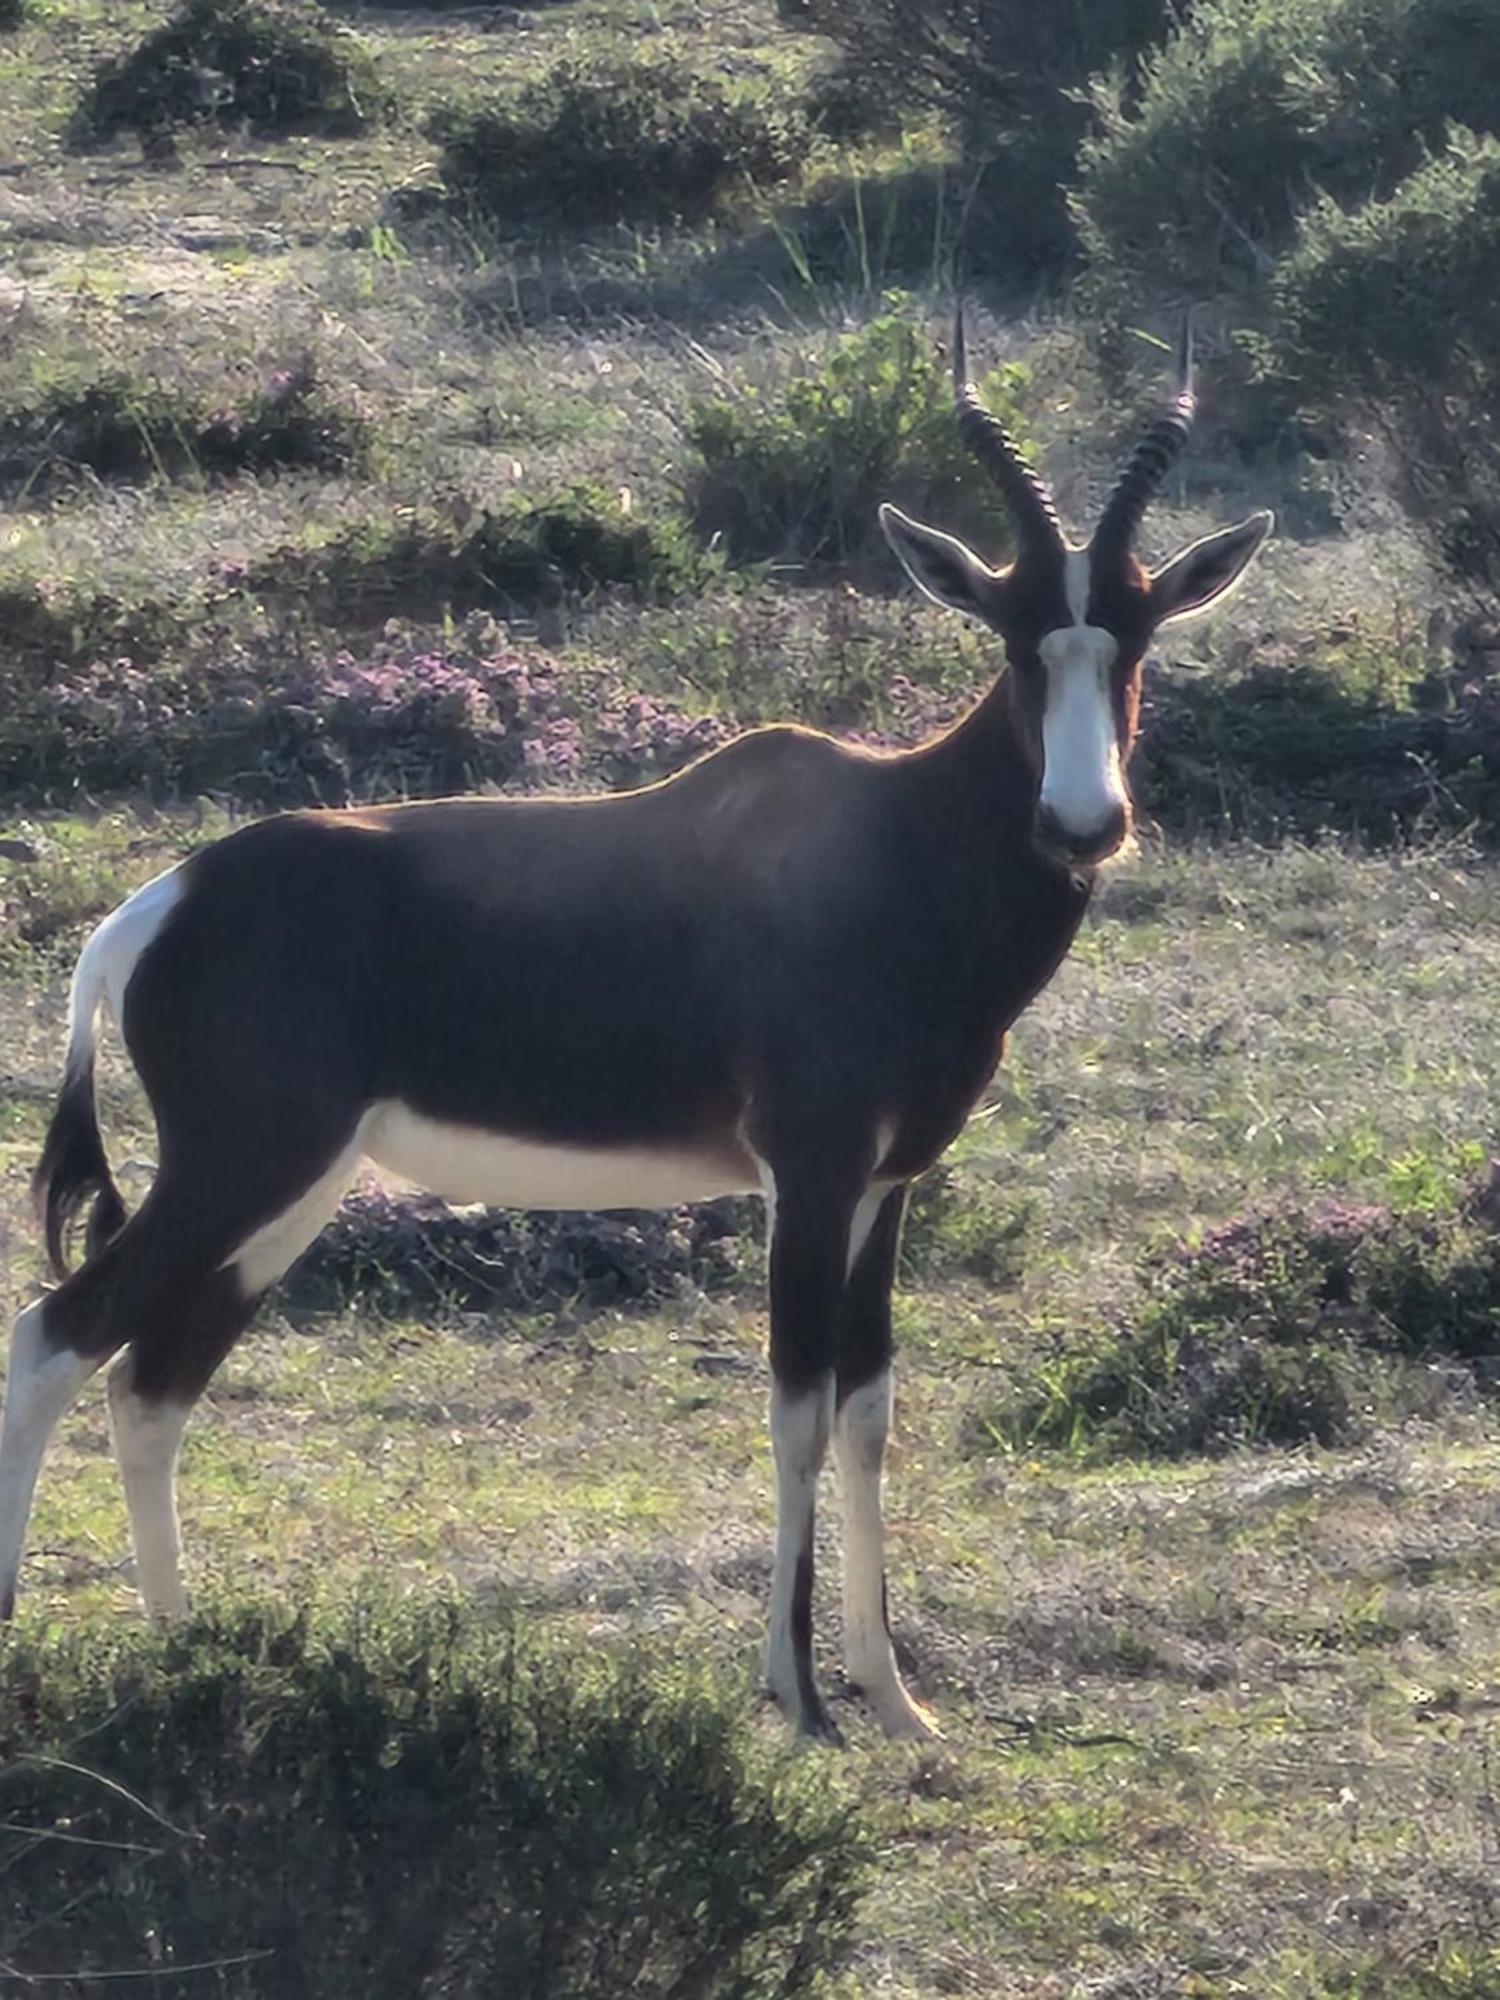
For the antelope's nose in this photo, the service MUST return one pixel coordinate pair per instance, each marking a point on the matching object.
(1087, 849)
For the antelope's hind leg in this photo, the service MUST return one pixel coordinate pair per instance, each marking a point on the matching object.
(155, 1384)
(174, 1292)
(861, 1427)
(44, 1375)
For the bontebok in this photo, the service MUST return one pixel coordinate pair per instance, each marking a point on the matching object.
(788, 969)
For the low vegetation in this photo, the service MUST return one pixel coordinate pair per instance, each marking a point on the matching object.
(406, 1257)
(1280, 1327)
(110, 423)
(401, 1801)
(795, 469)
(611, 135)
(395, 724)
(273, 65)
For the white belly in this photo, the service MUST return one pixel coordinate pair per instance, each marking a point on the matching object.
(464, 1164)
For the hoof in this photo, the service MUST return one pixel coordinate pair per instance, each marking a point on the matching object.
(810, 1722)
(913, 1720)
(899, 1714)
(818, 1726)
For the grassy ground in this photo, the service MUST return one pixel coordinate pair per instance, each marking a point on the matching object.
(1214, 1728)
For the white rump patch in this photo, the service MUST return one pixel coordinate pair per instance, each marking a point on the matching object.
(1082, 784)
(110, 956)
(462, 1163)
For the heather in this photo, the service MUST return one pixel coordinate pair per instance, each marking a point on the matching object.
(1285, 1325)
(400, 723)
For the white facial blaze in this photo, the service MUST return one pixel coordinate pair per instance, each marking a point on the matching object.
(1082, 784)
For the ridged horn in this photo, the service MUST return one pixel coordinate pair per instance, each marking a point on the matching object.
(1152, 458)
(1031, 505)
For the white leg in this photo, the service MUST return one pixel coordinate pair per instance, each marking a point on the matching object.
(799, 1438)
(146, 1438)
(42, 1381)
(860, 1431)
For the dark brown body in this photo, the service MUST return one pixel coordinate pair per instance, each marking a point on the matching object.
(793, 954)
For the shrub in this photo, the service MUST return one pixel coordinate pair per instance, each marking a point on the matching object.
(410, 1255)
(415, 561)
(1007, 79)
(609, 134)
(403, 1801)
(121, 426)
(275, 65)
(1273, 1330)
(12, 13)
(979, 1231)
(522, 550)
(1296, 746)
(1252, 109)
(1354, 307)
(336, 728)
(798, 470)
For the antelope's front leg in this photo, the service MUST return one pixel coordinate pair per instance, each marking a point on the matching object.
(809, 1258)
(861, 1428)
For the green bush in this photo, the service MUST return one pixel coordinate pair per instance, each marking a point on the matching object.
(409, 1802)
(523, 550)
(797, 470)
(119, 425)
(1281, 1327)
(1254, 108)
(611, 135)
(981, 1231)
(1006, 78)
(12, 13)
(1355, 305)
(275, 65)
(1298, 746)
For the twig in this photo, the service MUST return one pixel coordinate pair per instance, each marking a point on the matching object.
(139, 1971)
(1028, 1728)
(77, 1839)
(250, 160)
(110, 1785)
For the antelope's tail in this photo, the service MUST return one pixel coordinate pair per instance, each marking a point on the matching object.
(73, 1169)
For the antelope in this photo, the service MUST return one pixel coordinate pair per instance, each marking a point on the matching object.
(790, 968)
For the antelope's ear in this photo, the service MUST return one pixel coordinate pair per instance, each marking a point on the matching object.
(940, 565)
(1203, 572)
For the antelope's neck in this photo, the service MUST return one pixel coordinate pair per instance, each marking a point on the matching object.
(978, 800)
(981, 775)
